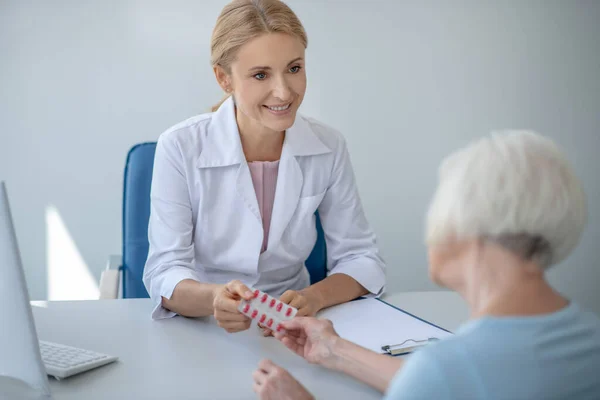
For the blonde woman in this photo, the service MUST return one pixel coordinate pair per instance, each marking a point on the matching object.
(234, 192)
(507, 208)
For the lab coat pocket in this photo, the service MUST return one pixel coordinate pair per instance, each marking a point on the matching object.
(308, 205)
(301, 233)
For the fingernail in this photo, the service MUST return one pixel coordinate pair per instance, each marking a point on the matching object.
(248, 294)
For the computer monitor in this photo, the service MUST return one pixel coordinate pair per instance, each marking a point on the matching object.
(19, 346)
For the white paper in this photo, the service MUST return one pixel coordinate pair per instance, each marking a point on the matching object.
(372, 323)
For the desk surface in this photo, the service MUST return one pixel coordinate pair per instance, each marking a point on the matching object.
(445, 309)
(193, 358)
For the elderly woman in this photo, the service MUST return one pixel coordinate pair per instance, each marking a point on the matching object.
(507, 208)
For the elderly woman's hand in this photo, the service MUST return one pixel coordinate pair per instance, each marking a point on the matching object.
(310, 338)
(307, 302)
(272, 382)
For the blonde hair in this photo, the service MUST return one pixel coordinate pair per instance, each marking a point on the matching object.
(243, 20)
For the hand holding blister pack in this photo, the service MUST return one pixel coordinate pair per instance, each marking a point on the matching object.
(267, 310)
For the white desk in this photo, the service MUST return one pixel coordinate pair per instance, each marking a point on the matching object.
(445, 309)
(193, 358)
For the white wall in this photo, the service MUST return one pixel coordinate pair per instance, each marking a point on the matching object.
(406, 81)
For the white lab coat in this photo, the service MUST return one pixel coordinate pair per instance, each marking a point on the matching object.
(205, 223)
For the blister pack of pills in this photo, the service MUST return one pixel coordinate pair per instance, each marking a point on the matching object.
(267, 310)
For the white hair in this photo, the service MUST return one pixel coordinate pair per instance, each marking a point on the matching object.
(514, 187)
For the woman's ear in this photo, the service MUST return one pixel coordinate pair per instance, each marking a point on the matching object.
(223, 78)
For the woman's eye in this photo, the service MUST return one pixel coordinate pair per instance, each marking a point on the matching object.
(260, 76)
(295, 69)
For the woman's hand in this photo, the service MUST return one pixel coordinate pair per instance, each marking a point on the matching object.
(306, 301)
(226, 301)
(275, 383)
(310, 338)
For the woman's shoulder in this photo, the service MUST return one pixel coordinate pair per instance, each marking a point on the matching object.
(192, 128)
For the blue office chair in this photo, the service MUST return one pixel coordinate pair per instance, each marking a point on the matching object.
(136, 213)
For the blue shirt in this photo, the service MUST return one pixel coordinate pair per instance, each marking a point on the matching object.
(552, 356)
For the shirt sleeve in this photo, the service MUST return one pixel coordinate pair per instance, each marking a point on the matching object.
(170, 230)
(351, 244)
(421, 378)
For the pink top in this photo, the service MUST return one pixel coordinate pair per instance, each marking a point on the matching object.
(264, 178)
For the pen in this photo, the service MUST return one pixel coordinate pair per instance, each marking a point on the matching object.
(406, 347)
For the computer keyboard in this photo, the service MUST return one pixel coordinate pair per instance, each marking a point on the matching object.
(62, 361)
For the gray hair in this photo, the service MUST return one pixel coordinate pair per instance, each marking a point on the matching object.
(514, 187)
(527, 247)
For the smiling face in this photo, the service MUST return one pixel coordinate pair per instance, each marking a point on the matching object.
(268, 82)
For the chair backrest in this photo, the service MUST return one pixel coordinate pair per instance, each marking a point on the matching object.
(136, 213)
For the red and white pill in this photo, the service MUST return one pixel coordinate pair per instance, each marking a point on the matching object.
(254, 314)
(246, 308)
(270, 322)
(262, 319)
(279, 306)
(288, 312)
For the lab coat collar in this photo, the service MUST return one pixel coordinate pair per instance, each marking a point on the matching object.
(223, 146)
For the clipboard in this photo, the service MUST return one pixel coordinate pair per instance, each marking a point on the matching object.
(408, 346)
(382, 327)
